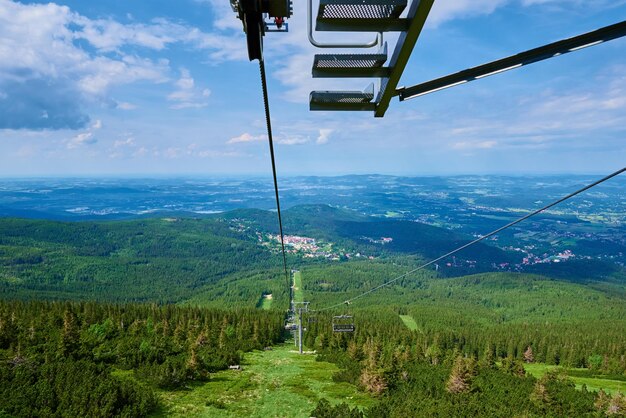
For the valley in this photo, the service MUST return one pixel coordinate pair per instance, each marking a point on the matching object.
(516, 316)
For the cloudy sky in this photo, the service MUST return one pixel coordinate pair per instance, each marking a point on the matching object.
(162, 87)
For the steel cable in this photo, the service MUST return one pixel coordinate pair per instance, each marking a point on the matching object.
(271, 145)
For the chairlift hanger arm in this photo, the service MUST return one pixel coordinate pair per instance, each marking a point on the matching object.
(252, 14)
(418, 13)
(541, 53)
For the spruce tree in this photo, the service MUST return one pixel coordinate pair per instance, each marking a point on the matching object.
(528, 355)
(461, 375)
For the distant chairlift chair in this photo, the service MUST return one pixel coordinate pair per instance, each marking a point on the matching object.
(343, 323)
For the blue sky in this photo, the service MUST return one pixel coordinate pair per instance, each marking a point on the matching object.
(163, 87)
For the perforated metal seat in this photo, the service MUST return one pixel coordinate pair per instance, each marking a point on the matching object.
(361, 15)
(342, 100)
(360, 9)
(350, 65)
(343, 323)
(343, 328)
(342, 96)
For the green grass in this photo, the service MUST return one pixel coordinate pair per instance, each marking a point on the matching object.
(266, 302)
(409, 322)
(298, 291)
(593, 382)
(277, 383)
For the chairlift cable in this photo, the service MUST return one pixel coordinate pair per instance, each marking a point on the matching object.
(271, 145)
(477, 240)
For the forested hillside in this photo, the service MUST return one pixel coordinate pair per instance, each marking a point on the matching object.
(449, 365)
(62, 359)
(453, 338)
(221, 259)
(162, 260)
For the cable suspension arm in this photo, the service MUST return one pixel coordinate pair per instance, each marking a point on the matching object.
(541, 53)
(271, 145)
(469, 244)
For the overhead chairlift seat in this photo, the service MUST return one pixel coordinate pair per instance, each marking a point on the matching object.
(361, 15)
(343, 100)
(366, 16)
(351, 65)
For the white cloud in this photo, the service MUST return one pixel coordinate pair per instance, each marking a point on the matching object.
(225, 18)
(466, 145)
(216, 154)
(26, 151)
(125, 106)
(547, 119)
(246, 137)
(39, 38)
(187, 95)
(43, 71)
(140, 152)
(281, 138)
(172, 153)
(324, 136)
(445, 10)
(85, 138)
(599, 4)
(128, 142)
(293, 139)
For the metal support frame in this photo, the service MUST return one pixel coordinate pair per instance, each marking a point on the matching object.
(300, 329)
(300, 308)
(418, 12)
(541, 53)
(268, 25)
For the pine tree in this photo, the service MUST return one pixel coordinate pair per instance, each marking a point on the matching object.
(488, 361)
(354, 351)
(433, 353)
(69, 334)
(192, 362)
(602, 401)
(461, 375)
(513, 366)
(528, 355)
(540, 396)
(616, 406)
(373, 381)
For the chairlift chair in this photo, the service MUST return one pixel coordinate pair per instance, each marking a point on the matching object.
(343, 323)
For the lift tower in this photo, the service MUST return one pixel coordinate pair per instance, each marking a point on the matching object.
(300, 308)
